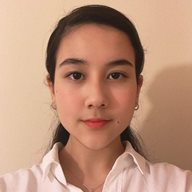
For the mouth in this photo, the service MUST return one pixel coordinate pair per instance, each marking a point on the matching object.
(96, 123)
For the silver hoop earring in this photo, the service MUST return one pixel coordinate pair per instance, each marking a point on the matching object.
(136, 107)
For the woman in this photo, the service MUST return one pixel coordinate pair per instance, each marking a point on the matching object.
(94, 63)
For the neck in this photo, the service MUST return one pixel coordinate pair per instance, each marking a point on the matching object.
(91, 166)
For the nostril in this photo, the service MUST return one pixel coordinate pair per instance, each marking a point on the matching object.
(103, 105)
(90, 106)
(96, 100)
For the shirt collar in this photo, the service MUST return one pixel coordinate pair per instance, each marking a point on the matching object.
(128, 158)
(137, 158)
(51, 161)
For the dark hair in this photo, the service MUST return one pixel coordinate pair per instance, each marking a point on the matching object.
(98, 14)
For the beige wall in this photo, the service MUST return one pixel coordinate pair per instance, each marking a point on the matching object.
(164, 118)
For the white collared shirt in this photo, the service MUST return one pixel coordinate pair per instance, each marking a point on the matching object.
(130, 173)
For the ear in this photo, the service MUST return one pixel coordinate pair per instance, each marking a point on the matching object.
(139, 85)
(51, 89)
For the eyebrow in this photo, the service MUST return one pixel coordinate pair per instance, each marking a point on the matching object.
(72, 61)
(120, 62)
(76, 61)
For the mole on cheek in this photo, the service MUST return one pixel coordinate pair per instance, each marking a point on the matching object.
(118, 122)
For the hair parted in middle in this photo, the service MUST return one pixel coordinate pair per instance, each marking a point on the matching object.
(101, 15)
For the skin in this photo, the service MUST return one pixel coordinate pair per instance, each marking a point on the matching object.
(94, 79)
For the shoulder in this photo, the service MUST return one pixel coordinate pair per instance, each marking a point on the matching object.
(21, 180)
(167, 171)
(168, 177)
(34, 178)
(156, 169)
(158, 176)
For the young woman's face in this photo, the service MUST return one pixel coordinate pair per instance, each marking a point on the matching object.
(95, 89)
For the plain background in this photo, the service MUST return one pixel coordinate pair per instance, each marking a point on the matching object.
(164, 119)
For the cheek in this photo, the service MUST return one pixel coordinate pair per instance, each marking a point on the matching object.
(126, 101)
(126, 98)
(67, 102)
(65, 95)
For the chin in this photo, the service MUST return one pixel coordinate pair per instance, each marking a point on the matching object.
(99, 144)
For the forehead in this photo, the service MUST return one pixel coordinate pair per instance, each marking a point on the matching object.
(100, 41)
(93, 27)
(106, 31)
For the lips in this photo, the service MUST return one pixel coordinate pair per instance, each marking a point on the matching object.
(96, 123)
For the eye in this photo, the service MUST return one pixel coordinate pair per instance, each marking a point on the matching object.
(116, 75)
(75, 76)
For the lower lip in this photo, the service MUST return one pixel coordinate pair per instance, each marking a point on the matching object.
(96, 124)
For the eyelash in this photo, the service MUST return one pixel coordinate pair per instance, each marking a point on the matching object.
(70, 75)
(82, 77)
(120, 75)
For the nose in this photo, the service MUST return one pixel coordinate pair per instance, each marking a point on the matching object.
(96, 96)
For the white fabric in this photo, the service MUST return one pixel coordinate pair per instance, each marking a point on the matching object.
(130, 173)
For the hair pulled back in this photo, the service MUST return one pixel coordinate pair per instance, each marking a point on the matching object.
(96, 14)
